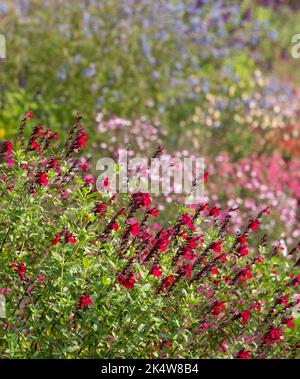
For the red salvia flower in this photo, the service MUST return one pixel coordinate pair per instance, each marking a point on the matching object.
(162, 242)
(20, 269)
(223, 258)
(7, 148)
(114, 226)
(145, 235)
(187, 269)
(156, 271)
(216, 246)
(256, 306)
(166, 343)
(127, 282)
(168, 281)
(266, 211)
(203, 207)
(153, 212)
(245, 274)
(185, 219)
(193, 242)
(71, 239)
(254, 224)
(244, 354)
(53, 162)
(35, 146)
(101, 209)
(296, 281)
(243, 251)
(56, 239)
(42, 179)
(38, 131)
(215, 211)
(81, 139)
(134, 227)
(284, 300)
(289, 322)
(141, 199)
(245, 316)
(121, 212)
(187, 253)
(243, 239)
(205, 177)
(218, 308)
(273, 335)
(29, 115)
(8, 154)
(53, 136)
(85, 301)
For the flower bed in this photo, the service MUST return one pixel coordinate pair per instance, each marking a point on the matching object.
(85, 277)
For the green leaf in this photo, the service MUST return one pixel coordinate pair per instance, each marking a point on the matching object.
(105, 280)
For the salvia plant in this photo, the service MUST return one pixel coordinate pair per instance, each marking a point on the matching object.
(260, 180)
(85, 276)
